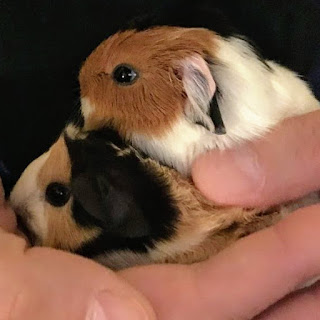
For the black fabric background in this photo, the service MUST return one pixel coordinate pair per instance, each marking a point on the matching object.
(43, 43)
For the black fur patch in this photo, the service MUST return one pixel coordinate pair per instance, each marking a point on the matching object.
(128, 201)
(216, 116)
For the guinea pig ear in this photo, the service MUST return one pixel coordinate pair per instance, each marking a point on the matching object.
(111, 206)
(115, 209)
(202, 104)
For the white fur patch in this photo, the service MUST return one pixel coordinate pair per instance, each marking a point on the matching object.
(86, 107)
(28, 200)
(74, 132)
(178, 147)
(253, 98)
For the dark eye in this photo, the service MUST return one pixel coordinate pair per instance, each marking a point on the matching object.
(57, 194)
(124, 74)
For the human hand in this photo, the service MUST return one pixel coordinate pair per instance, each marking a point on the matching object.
(284, 166)
(243, 280)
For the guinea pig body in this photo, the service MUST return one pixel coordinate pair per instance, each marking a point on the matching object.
(152, 99)
(94, 195)
(172, 92)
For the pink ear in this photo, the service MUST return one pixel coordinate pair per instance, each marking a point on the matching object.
(194, 64)
(200, 88)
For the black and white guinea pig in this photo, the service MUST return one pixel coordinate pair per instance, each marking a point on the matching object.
(96, 196)
(176, 92)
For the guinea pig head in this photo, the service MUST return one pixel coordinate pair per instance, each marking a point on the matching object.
(43, 202)
(92, 196)
(152, 86)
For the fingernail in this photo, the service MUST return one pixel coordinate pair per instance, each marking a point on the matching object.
(229, 177)
(107, 306)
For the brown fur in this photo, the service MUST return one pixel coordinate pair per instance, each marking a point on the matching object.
(156, 100)
(57, 168)
(64, 233)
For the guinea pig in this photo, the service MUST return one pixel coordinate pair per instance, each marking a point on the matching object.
(97, 196)
(176, 92)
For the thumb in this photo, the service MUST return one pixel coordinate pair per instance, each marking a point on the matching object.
(282, 166)
(40, 283)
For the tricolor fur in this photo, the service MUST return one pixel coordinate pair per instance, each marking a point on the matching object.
(166, 111)
(125, 209)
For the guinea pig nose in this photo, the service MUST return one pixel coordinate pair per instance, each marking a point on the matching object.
(57, 194)
(124, 74)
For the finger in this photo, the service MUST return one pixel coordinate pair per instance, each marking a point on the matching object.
(241, 281)
(47, 284)
(282, 166)
(298, 306)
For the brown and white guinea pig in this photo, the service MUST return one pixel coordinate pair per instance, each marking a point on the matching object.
(176, 92)
(94, 195)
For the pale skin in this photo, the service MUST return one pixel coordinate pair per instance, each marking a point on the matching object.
(243, 281)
